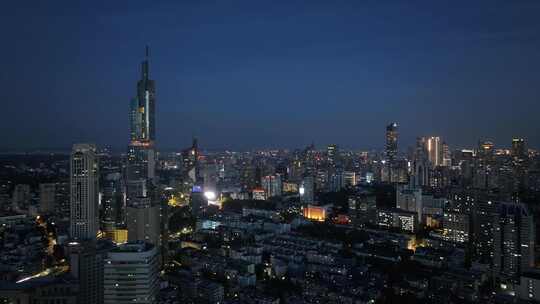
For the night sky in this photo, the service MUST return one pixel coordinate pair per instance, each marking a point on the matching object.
(259, 74)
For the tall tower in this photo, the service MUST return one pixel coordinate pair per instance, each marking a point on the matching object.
(143, 107)
(84, 192)
(141, 155)
(142, 208)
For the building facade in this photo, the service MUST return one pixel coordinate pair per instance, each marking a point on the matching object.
(84, 183)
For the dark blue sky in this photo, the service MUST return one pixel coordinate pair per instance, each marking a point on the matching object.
(254, 74)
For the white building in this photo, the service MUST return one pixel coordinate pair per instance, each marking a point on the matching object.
(131, 274)
(84, 192)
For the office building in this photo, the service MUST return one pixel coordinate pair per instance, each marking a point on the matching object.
(131, 274)
(86, 266)
(84, 183)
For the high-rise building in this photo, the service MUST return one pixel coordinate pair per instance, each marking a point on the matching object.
(307, 190)
(446, 155)
(140, 162)
(47, 197)
(141, 154)
(139, 263)
(336, 181)
(391, 142)
(514, 240)
(434, 150)
(143, 210)
(271, 185)
(143, 221)
(142, 115)
(84, 192)
(421, 166)
(86, 265)
(332, 153)
(112, 202)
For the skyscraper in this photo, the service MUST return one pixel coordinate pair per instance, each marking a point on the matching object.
(84, 192)
(141, 155)
(112, 202)
(307, 190)
(514, 239)
(433, 146)
(143, 210)
(391, 142)
(143, 107)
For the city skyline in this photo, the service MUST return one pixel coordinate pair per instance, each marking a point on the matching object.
(267, 81)
(283, 152)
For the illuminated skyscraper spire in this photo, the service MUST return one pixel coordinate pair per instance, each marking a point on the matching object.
(142, 115)
(141, 159)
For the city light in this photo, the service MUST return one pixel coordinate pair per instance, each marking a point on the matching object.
(210, 195)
